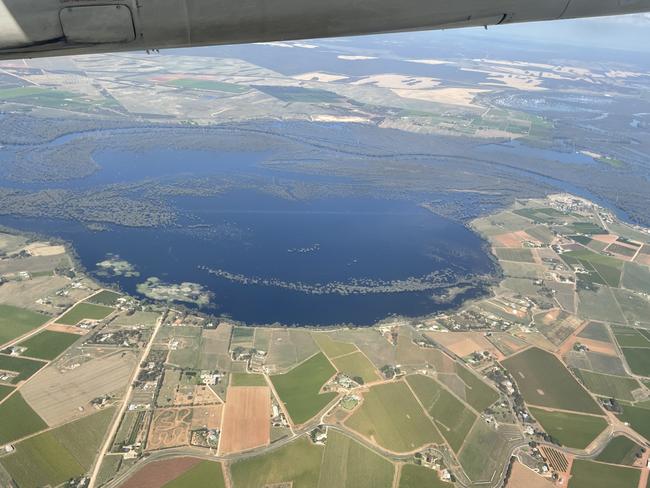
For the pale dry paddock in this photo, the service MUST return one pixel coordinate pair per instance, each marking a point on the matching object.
(246, 421)
(57, 397)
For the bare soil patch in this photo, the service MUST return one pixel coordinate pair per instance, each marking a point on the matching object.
(598, 346)
(246, 422)
(465, 343)
(207, 417)
(69, 329)
(524, 477)
(513, 240)
(155, 475)
(170, 427)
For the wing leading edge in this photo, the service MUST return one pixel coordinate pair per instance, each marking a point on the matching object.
(31, 28)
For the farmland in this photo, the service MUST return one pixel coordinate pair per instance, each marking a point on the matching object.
(570, 429)
(84, 311)
(105, 297)
(605, 268)
(479, 463)
(356, 365)
(48, 344)
(57, 396)
(477, 393)
(15, 322)
(608, 385)
(208, 85)
(206, 474)
(18, 419)
(518, 255)
(413, 476)
(298, 462)
(348, 464)
(620, 450)
(398, 426)
(629, 337)
(24, 367)
(638, 418)
(588, 474)
(57, 455)
(245, 422)
(40, 461)
(246, 379)
(5, 391)
(158, 473)
(453, 419)
(242, 337)
(556, 388)
(299, 389)
(638, 359)
(331, 347)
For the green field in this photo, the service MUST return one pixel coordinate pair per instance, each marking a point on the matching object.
(477, 393)
(15, 322)
(570, 429)
(242, 337)
(55, 456)
(620, 450)
(610, 386)
(18, 419)
(84, 311)
(636, 308)
(588, 474)
(391, 415)
(293, 94)
(331, 347)
(25, 367)
(638, 418)
(596, 331)
(5, 391)
(206, 474)
(348, 464)
(518, 255)
(245, 379)
(484, 453)
(40, 461)
(83, 437)
(607, 268)
(453, 419)
(587, 228)
(357, 365)
(209, 85)
(48, 344)
(105, 297)
(298, 462)
(413, 476)
(599, 304)
(542, 215)
(555, 388)
(629, 337)
(638, 359)
(189, 342)
(110, 467)
(636, 277)
(299, 389)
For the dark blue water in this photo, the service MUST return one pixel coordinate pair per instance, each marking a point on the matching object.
(260, 236)
(275, 252)
(539, 153)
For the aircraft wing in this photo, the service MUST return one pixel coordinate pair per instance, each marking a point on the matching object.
(31, 28)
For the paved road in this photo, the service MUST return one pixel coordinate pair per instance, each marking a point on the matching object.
(118, 417)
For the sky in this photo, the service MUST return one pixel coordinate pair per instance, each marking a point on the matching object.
(627, 32)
